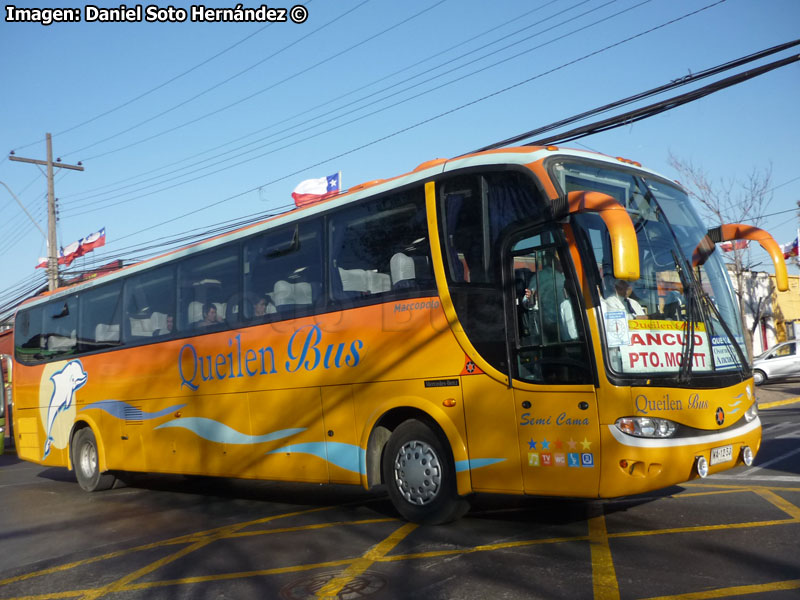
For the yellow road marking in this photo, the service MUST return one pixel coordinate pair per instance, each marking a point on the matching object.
(713, 493)
(739, 590)
(767, 405)
(782, 503)
(331, 589)
(698, 528)
(183, 539)
(746, 487)
(483, 548)
(604, 576)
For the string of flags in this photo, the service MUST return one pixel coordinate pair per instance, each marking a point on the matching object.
(314, 190)
(76, 249)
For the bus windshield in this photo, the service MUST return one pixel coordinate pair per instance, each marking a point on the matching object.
(675, 319)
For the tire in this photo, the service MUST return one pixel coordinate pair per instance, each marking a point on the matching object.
(759, 377)
(86, 463)
(420, 475)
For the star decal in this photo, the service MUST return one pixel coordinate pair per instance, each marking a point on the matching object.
(572, 444)
(559, 444)
(545, 445)
(586, 444)
(531, 445)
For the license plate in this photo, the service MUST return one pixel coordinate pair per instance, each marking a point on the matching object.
(721, 454)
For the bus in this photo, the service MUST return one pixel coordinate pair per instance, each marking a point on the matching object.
(460, 329)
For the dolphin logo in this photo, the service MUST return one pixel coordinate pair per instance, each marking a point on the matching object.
(65, 382)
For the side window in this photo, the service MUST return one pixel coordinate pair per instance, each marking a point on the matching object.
(380, 246)
(550, 345)
(101, 311)
(283, 272)
(150, 305)
(476, 214)
(209, 290)
(465, 240)
(28, 335)
(60, 328)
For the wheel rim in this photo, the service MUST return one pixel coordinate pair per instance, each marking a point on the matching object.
(758, 378)
(88, 459)
(417, 472)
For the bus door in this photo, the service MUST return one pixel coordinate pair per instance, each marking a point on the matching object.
(552, 373)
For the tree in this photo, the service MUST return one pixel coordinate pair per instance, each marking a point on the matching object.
(734, 201)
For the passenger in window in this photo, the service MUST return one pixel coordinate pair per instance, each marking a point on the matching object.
(264, 306)
(168, 327)
(545, 292)
(209, 316)
(672, 306)
(621, 300)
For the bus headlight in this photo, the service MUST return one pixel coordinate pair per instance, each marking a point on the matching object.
(751, 413)
(649, 427)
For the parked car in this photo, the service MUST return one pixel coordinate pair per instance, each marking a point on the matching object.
(779, 362)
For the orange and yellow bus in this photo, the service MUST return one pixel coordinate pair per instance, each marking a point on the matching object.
(531, 320)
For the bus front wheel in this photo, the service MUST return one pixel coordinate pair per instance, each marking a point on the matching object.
(420, 475)
(86, 463)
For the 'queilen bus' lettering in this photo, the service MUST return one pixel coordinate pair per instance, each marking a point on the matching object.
(305, 350)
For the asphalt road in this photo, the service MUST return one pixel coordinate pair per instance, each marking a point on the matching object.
(162, 537)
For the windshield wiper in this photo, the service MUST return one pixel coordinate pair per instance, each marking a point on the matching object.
(712, 308)
(691, 302)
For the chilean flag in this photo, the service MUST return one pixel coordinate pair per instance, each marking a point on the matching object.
(791, 248)
(77, 249)
(314, 190)
(93, 240)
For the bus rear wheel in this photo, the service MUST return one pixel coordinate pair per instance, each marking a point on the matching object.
(420, 475)
(85, 461)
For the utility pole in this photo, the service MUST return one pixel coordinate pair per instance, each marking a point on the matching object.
(52, 243)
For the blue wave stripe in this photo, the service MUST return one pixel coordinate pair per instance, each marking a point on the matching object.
(125, 411)
(214, 431)
(346, 456)
(476, 463)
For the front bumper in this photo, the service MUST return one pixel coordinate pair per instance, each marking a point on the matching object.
(633, 465)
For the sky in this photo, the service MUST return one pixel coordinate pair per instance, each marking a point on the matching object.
(186, 126)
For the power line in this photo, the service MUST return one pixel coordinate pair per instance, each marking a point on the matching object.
(380, 110)
(449, 112)
(663, 106)
(642, 95)
(306, 111)
(159, 86)
(268, 88)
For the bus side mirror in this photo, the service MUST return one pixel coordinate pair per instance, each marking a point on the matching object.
(736, 231)
(624, 245)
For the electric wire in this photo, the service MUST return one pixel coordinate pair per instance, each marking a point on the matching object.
(159, 86)
(640, 114)
(315, 135)
(263, 90)
(211, 88)
(306, 111)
